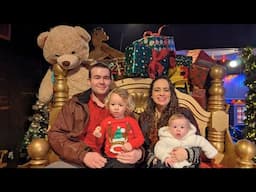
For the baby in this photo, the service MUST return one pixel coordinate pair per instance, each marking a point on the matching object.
(180, 132)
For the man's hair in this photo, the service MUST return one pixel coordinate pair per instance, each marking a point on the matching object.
(99, 65)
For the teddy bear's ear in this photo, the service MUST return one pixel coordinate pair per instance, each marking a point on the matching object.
(83, 33)
(41, 39)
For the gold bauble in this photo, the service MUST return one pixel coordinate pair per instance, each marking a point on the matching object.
(38, 149)
(245, 149)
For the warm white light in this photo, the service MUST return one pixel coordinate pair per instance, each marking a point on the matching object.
(233, 63)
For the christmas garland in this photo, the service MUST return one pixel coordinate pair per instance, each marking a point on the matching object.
(249, 61)
(37, 128)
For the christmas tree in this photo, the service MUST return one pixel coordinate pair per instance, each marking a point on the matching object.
(38, 127)
(249, 60)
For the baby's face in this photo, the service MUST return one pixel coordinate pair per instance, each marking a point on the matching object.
(179, 128)
(117, 106)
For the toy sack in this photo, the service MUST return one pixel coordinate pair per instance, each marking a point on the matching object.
(150, 56)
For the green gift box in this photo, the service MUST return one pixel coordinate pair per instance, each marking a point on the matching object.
(149, 56)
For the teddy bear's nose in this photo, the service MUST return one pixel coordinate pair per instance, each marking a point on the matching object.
(66, 63)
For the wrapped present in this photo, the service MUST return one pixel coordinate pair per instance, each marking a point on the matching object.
(179, 78)
(183, 60)
(201, 65)
(198, 54)
(180, 74)
(198, 75)
(137, 57)
(116, 66)
(205, 63)
(200, 96)
(150, 56)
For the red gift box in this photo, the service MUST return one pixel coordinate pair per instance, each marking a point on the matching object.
(201, 65)
(198, 75)
(199, 54)
(200, 96)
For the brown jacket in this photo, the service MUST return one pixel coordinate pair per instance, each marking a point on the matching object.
(64, 135)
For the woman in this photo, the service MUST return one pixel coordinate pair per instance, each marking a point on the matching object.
(162, 104)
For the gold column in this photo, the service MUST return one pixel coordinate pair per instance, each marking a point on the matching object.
(60, 91)
(216, 101)
(216, 104)
(39, 149)
(236, 155)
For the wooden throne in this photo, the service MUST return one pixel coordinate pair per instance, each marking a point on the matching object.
(213, 123)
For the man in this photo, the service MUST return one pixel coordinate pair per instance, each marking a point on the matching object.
(71, 135)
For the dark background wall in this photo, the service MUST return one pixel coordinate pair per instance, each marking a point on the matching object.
(20, 75)
(187, 36)
(23, 66)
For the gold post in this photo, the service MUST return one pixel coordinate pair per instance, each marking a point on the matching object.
(217, 106)
(39, 149)
(60, 91)
(245, 151)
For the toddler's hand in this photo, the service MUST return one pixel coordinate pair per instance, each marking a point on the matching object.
(127, 147)
(97, 132)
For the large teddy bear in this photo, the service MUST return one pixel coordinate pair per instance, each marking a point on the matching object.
(68, 47)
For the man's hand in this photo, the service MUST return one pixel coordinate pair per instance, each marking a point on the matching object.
(130, 157)
(94, 160)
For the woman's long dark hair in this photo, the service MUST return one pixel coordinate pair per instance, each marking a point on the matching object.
(149, 114)
(172, 107)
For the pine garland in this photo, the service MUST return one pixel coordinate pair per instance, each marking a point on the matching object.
(249, 60)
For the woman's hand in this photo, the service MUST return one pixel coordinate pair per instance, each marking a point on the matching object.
(130, 157)
(179, 154)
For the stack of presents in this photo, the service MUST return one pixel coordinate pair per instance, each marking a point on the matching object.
(155, 55)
